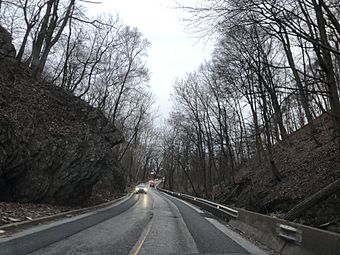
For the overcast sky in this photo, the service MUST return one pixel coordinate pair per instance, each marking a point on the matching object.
(173, 52)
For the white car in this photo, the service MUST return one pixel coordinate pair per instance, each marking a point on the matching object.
(141, 188)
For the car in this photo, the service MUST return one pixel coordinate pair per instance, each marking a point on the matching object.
(141, 188)
(152, 184)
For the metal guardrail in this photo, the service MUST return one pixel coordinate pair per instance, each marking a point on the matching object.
(289, 233)
(204, 202)
(284, 237)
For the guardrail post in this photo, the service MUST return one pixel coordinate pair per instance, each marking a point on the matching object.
(289, 233)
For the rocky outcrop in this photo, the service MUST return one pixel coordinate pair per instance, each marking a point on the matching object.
(54, 147)
(6, 46)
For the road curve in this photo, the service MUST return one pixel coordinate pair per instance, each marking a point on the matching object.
(144, 224)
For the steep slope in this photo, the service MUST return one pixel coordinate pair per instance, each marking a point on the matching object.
(306, 169)
(54, 147)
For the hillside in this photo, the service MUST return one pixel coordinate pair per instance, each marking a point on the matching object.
(306, 169)
(54, 147)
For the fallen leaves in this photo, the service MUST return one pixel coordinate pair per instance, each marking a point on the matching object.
(18, 212)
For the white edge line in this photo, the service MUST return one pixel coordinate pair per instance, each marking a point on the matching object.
(185, 202)
(247, 245)
(47, 225)
(195, 249)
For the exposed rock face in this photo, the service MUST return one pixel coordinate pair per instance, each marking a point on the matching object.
(53, 146)
(6, 46)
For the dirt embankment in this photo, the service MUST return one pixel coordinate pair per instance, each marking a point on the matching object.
(306, 168)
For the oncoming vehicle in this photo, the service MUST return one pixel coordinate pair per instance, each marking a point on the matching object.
(141, 188)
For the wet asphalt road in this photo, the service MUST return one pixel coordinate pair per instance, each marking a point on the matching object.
(143, 224)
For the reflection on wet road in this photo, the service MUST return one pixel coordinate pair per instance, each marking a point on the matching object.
(152, 223)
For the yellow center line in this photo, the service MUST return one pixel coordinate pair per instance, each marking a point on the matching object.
(144, 238)
(139, 247)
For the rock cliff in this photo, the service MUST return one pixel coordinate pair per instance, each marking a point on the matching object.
(54, 147)
(6, 46)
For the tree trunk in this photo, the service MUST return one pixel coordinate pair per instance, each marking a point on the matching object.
(302, 93)
(45, 40)
(188, 176)
(23, 44)
(225, 200)
(326, 64)
(312, 200)
(39, 40)
(275, 173)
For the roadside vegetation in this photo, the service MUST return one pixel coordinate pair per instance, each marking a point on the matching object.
(258, 125)
(75, 107)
